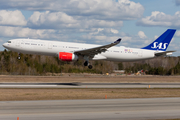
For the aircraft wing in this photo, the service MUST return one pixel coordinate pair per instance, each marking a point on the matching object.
(91, 52)
(163, 53)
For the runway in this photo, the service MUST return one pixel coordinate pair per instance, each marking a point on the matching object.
(89, 85)
(101, 109)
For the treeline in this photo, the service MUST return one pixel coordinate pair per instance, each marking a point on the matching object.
(41, 65)
(157, 66)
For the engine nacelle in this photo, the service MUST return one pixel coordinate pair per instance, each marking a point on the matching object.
(65, 56)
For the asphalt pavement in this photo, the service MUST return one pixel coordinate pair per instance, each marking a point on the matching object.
(89, 85)
(101, 109)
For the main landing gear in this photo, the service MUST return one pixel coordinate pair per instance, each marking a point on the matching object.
(86, 63)
(90, 66)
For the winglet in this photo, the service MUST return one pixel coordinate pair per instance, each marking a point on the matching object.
(118, 41)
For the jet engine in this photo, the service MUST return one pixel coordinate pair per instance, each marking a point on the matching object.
(65, 56)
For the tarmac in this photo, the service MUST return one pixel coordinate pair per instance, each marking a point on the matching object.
(101, 109)
(89, 85)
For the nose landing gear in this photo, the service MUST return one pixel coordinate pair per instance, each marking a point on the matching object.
(19, 56)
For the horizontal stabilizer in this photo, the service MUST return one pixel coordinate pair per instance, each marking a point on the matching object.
(163, 53)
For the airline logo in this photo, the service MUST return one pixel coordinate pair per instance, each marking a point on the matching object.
(128, 50)
(159, 45)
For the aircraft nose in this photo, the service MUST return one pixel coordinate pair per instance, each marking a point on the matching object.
(4, 45)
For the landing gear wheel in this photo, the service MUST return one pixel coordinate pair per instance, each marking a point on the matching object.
(90, 66)
(86, 63)
(19, 57)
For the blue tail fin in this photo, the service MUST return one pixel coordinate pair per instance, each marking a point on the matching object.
(162, 42)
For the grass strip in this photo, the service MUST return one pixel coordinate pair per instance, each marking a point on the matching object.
(17, 94)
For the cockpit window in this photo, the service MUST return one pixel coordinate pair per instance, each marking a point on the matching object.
(9, 41)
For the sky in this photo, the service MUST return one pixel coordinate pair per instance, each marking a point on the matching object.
(137, 22)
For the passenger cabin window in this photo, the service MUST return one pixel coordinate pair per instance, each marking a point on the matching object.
(9, 41)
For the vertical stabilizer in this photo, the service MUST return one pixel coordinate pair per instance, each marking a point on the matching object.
(162, 42)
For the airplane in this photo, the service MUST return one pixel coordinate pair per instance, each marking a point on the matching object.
(69, 51)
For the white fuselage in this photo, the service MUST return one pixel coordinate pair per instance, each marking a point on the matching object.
(52, 48)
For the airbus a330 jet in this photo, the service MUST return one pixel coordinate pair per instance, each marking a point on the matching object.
(69, 51)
